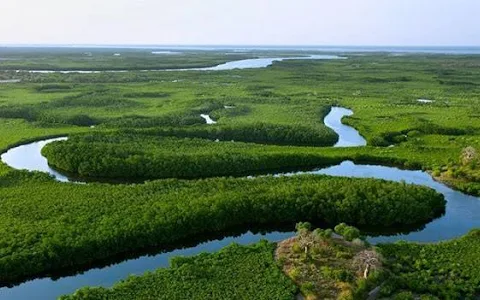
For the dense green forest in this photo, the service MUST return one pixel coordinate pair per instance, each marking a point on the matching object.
(236, 272)
(447, 270)
(84, 223)
(146, 154)
(147, 125)
(330, 268)
(138, 156)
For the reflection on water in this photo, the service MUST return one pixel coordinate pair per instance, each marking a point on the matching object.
(260, 62)
(47, 288)
(462, 210)
(347, 135)
(29, 157)
(461, 215)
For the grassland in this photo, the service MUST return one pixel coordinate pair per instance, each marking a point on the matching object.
(86, 59)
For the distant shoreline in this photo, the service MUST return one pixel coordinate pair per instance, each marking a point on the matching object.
(388, 49)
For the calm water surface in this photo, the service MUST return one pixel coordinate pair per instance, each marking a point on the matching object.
(29, 157)
(462, 213)
(253, 63)
(347, 135)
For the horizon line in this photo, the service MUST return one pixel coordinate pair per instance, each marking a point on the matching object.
(69, 45)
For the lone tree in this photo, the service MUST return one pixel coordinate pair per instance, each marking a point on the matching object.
(469, 155)
(367, 260)
(305, 237)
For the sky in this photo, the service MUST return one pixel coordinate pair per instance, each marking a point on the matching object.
(241, 22)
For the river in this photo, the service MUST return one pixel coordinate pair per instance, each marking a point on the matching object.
(461, 215)
(253, 63)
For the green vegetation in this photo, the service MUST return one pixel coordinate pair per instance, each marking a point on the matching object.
(330, 267)
(105, 59)
(131, 154)
(85, 223)
(322, 265)
(147, 124)
(236, 272)
(382, 90)
(349, 233)
(465, 174)
(447, 270)
(134, 157)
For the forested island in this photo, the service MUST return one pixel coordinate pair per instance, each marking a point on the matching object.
(146, 175)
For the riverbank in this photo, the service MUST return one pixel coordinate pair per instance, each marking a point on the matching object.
(382, 90)
(321, 266)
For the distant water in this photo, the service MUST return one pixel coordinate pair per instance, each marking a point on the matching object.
(347, 49)
(252, 63)
(244, 48)
(208, 119)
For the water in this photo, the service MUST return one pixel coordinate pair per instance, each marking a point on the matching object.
(249, 48)
(208, 119)
(29, 157)
(348, 136)
(253, 63)
(46, 288)
(461, 215)
(166, 53)
(11, 81)
(425, 101)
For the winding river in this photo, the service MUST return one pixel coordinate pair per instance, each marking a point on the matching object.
(252, 63)
(461, 215)
(347, 136)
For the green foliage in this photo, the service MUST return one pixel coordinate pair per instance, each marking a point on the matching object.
(327, 267)
(131, 156)
(236, 272)
(404, 296)
(95, 99)
(45, 225)
(303, 226)
(52, 88)
(447, 270)
(85, 223)
(103, 59)
(323, 233)
(258, 132)
(348, 232)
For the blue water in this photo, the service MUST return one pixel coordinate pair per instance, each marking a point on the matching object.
(29, 157)
(461, 215)
(252, 63)
(347, 135)
(46, 288)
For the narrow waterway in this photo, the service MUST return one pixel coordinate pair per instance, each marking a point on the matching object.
(208, 120)
(29, 157)
(347, 135)
(461, 215)
(253, 63)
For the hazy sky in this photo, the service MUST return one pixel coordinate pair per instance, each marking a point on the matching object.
(260, 22)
